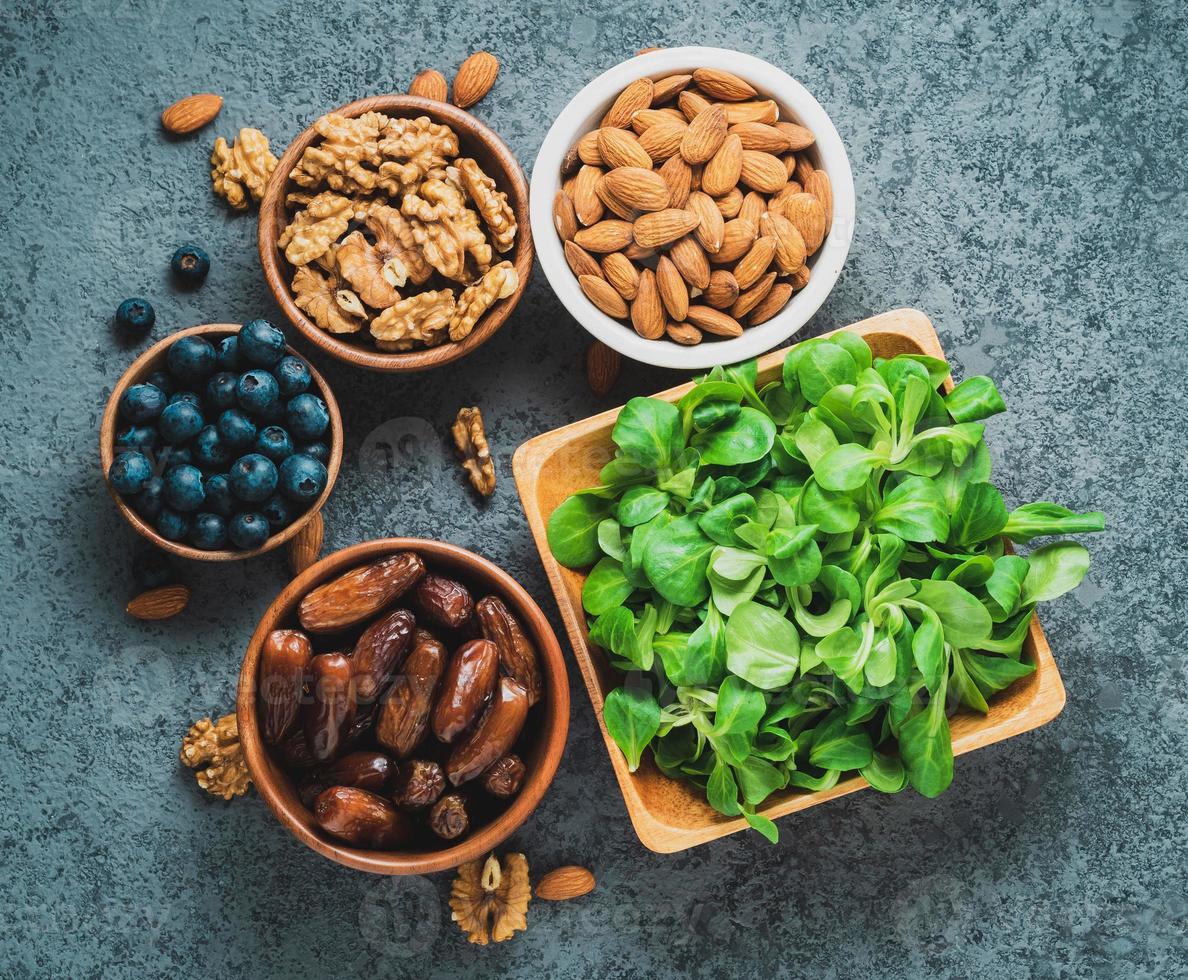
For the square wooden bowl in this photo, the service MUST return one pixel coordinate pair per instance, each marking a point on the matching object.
(670, 815)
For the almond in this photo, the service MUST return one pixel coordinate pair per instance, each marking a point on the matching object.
(429, 84)
(789, 162)
(647, 312)
(714, 321)
(620, 209)
(789, 245)
(753, 207)
(668, 88)
(752, 297)
(638, 188)
(723, 85)
(649, 117)
(580, 261)
(737, 238)
(306, 546)
(610, 235)
(710, 227)
(817, 184)
(771, 304)
(760, 136)
(663, 140)
(571, 162)
(602, 367)
(683, 333)
(159, 603)
(800, 278)
(679, 177)
(729, 204)
(807, 214)
(779, 200)
(564, 883)
(636, 96)
(801, 171)
(692, 103)
(722, 290)
(755, 263)
(798, 136)
(637, 253)
(762, 171)
(621, 148)
(742, 112)
(704, 135)
(564, 216)
(475, 77)
(661, 227)
(191, 113)
(691, 262)
(586, 203)
(724, 168)
(602, 294)
(588, 149)
(673, 291)
(620, 273)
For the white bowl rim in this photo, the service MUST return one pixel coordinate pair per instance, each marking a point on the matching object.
(573, 122)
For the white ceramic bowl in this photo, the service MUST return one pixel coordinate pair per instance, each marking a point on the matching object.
(583, 114)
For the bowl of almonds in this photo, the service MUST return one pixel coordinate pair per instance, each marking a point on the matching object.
(394, 233)
(692, 207)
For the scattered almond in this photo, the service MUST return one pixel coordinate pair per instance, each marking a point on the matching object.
(565, 883)
(664, 227)
(602, 367)
(306, 546)
(723, 85)
(191, 113)
(475, 77)
(620, 273)
(159, 603)
(771, 304)
(602, 294)
(636, 96)
(704, 135)
(673, 291)
(647, 311)
(429, 84)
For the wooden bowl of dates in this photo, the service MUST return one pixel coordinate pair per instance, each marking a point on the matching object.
(403, 706)
(475, 141)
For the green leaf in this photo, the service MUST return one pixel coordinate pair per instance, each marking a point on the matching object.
(614, 631)
(747, 439)
(740, 707)
(758, 779)
(967, 691)
(928, 651)
(610, 539)
(763, 825)
(915, 511)
(703, 658)
(573, 530)
(855, 346)
(1005, 584)
(632, 718)
(676, 561)
(710, 414)
(845, 652)
(814, 439)
(837, 746)
(926, 748)
(885, 773)
(974, 399)
(640, 504)
(1033, 520)
(980, 515)
(1054, 569)
(823, 366)
(846, 467)
(965, 620)
(605, 588)
(762, 646)
(719, 521)
(648, 431)
(722, 791)
(993, 674)
(834, 513)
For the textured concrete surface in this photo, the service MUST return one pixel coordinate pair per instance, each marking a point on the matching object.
(1019, 170)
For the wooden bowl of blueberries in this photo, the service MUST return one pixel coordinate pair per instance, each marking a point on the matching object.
(220, 442)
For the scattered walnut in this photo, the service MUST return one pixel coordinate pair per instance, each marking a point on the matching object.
(241, 171)
(421, 319)
(491, 203)
(490, 900)
(498, 283)
(471, 441)
(314, 230)
(318, 296)
(339, 158)
(214, 746)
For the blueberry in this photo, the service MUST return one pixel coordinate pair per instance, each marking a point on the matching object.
(151, 567)
(208, 531)
(278, 511)
(308, 417)
(220, 390)
(219, 497)
(142, 438)
(253, 477)
(180, 422)
(171, 525)
(227, 354)
(192, 397)
(190, 264)
(261, 343)
(191, 358)
(236, 429)
(151, 499)
(176, 456)
(183, 488)
(273, 413)
(163, 380)
(274, 442)
(140, 403)
(257, 391)
(135, 316)
(292, 374)
(130, 473)
(248, 530)
(302, 478)
(210, 452)
(318, 450)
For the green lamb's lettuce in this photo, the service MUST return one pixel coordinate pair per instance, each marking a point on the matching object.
(806, 578)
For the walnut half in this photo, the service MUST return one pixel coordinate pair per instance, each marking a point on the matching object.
(498, 283)
(489, 899)
(214, 746)
(241, 170)
(471, 441)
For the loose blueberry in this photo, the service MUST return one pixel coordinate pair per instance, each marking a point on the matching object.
(248, 530)
(208, 531)
(292, 374)
(180, 422)
(219, 497)
(191, 358)
(151, 499)
(192, 397)
(183, 488)
(151, 567)
(261, 343)
(278, 511)
(302, 478)
(236, 429)
(307, 416)
(220, 390)
(227, 354)
(142, 403)
(135, 316)
(253, 477)
(210, 452)
(274, 442)
(171, 525)
(142, 438)
(190, 264)
(130, 473)
(163, 380)
(318, 450)
(257, 391)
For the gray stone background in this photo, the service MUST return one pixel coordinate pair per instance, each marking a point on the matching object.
(1020, 177)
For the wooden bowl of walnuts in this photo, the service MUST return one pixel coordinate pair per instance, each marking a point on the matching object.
(394, 233)
(403, 706)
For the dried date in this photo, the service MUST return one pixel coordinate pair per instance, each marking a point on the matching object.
(505, 776)
(329, 711)
(365, 770)
(448, 818)
(361, 817)
(517, 655)
(494, 735)
(465, 689)
(360, 593)
(404, 713)
(443, 602)
(418, 783)
(284, 659)
(379, 651)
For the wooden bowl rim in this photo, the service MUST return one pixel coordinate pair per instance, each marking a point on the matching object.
(140, 368)
(523, 254)
(554, 726)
